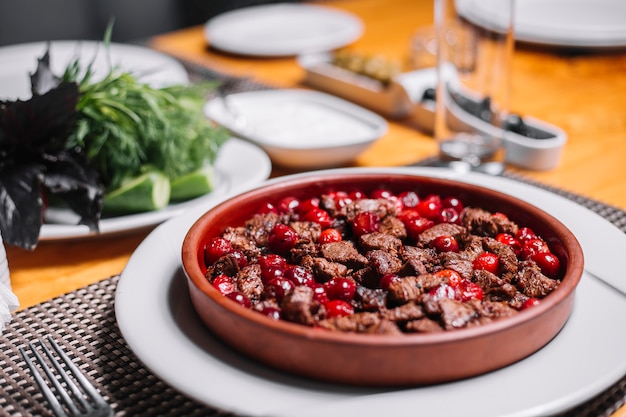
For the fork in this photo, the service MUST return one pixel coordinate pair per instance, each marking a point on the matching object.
(76, 405)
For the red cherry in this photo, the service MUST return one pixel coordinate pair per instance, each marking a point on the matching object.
(442, 291)
(267, 208)
(319, 293)
(357, 195)
(416, 226)
(318, 215)
(299, 275)
(409, 199)
(408, 214)
(215, 249)
(465, 290)
(270, 272)
(448, 215)
(340, 288)
(288, 204)
(239, 298)
(430, 207)
(365, 223)
(452, 202)
(381, 193)
(282, 238)
(271, 259)
(388, 279)
(488, 262)
(272, 266)
(468, 290)
(530, 302)
(511, 241)
(224, 284)
(524, 234)
(452, 277)
(533, 246)
(271, 312)
(338, 308)
(445, 244)
(330, 235)
(548, 262)
(278, 287)
(341, 198)
(307, 205)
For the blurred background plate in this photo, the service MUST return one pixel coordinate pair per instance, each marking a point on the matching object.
(17, 62)
(282, 29)
(570, 23)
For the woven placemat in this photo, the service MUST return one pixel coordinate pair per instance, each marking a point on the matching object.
(83, 321)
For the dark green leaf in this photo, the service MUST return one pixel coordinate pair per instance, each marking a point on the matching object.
(71, 180)
(41, 123)
(21, 205)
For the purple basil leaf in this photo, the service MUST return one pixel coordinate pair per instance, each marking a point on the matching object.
(42, 123)
(73, 181)
(43, 79)
(21, 205)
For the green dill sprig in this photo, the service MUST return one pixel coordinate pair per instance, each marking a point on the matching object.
(124, 126)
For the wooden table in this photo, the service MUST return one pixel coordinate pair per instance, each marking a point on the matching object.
(583, 93)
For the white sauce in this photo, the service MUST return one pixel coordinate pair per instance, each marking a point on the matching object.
(303, 124)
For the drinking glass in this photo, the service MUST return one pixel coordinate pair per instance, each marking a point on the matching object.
(474, 53)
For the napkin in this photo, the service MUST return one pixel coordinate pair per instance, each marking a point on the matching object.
(8, 300)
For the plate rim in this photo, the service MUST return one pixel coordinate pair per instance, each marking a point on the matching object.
(526, 31)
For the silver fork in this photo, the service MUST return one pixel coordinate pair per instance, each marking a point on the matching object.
(88, 403)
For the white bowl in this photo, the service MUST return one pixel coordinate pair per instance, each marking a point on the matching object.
(299, 128)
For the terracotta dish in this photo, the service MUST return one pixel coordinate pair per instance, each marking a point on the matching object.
(380, 360)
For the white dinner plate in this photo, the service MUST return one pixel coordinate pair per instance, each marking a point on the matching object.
(282, 29)
(238, 164)
(299, 128)
(159, 324)
(17, 62)
(571, 23)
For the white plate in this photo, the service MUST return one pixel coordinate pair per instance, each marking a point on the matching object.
(159, 324)
(572, 23)
(238, 164)
(282, 29)
(18, 61)
(299, 128)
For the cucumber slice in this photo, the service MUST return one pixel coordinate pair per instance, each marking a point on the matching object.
(147, 192)
(193, 185)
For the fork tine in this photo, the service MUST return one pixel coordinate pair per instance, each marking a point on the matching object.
(99, 406)
(57, 409)
(69, 383)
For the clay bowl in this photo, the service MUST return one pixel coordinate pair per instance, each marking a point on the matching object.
(380, 360)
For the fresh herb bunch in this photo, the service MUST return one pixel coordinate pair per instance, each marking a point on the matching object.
(123, 126)
(77, 139)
